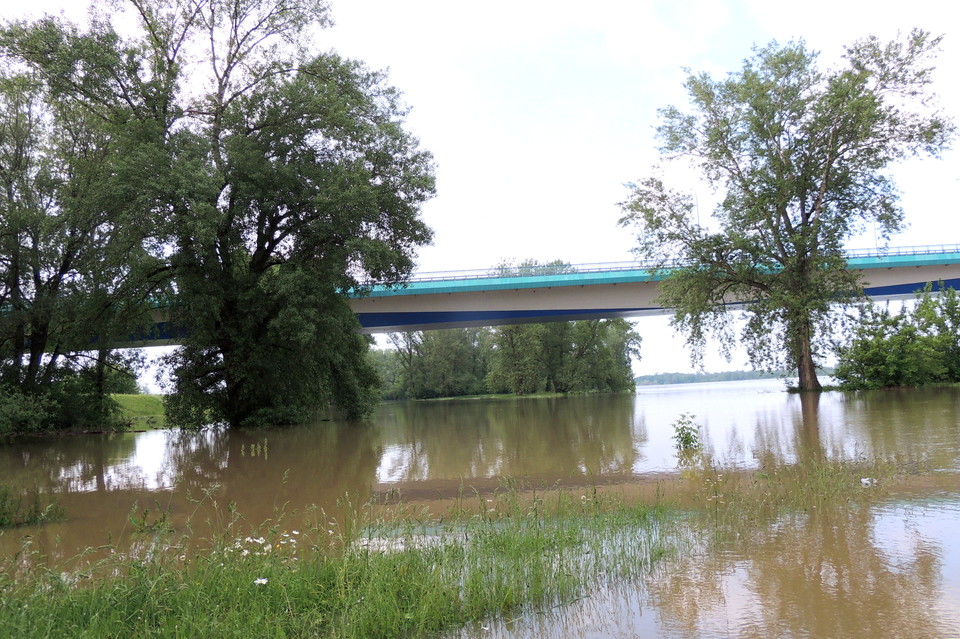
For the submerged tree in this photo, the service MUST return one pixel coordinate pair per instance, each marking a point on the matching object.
(278, 179)
(799, 155)
(442, 363)
(309, 187)
(563, 357)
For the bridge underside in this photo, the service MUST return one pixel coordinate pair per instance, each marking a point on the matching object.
(595, 301)
(486, 301)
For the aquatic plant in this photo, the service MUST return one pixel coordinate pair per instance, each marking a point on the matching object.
(686, 434)
(20, 510)
(387, 572)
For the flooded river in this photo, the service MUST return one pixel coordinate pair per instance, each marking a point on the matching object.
(891, 569)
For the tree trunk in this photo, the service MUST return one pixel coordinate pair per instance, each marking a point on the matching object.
(806, 370)
(100, 374)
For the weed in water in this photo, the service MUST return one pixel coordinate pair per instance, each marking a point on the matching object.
(686, 434)
(396, 573)
(21, 510)
(146, 522)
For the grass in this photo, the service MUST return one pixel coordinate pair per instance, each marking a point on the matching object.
(398, 571)
(383, 573)
(731, 503)
(142, 411)
(20, 510)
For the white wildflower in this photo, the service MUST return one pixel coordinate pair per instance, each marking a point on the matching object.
(260, 582)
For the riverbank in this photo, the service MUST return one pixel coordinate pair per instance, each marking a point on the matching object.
(141, 412)
(402, 570)
(386, 573)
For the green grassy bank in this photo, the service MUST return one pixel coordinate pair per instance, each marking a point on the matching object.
(142, 411)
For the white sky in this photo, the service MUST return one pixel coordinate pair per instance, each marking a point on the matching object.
(538, 112)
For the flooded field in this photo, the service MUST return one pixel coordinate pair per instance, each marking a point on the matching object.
(890, 567)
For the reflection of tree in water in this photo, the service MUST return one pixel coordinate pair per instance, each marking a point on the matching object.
(794, 436)
(70, 464)
(549, 437)
(911, 422)
(262, 471)
(818, 576)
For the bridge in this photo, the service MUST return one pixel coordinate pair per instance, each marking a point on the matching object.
(590, 291)
(491, 297)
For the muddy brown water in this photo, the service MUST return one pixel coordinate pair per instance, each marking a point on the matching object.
(888, 570)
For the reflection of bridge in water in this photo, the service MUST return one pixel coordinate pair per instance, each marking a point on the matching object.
(516, 295)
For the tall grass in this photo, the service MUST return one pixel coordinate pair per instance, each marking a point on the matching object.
(22, 510)
(734, 502)
(382, 573)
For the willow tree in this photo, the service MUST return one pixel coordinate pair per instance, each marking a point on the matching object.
(307, 186)
(798, 155)
(279, 179)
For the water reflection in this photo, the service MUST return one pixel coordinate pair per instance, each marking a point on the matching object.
(888, 571)
(538, 438)
(819, 576)
(423, 450)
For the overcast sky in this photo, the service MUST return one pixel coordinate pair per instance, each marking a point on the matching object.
(537, 112)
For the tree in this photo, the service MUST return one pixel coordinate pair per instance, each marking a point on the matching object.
(564, 357)
(272, 181)
(916, 346)
(799, 154)
(442, 363)
(70, 268)
(310, 188)
(517, 363)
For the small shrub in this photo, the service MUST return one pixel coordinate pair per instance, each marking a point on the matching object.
(686, 434)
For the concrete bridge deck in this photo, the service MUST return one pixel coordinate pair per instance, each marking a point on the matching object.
(488, 297)
(589, 291)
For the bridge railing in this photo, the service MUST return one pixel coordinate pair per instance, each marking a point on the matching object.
(638, 265)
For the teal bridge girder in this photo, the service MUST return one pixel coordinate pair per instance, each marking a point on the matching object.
(589, 291)
(488, 297)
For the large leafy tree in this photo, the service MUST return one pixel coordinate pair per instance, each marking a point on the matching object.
(70, 268)
(799, 156)
(273, 180)
(309, 187)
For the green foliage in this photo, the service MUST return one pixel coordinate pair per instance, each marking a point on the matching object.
(564, 357)
(146, 522)
(400, 576)
(518, 364)
(22, 413)
(686, 434)
(73, 259)
(559, 357)
(799, 154)
(911, 348)
(140, 410)
(70, 400)
(252, 207)
(443, 363)
(15, 511)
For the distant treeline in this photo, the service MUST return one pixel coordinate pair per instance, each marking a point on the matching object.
(561, 357)
(692, 378)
